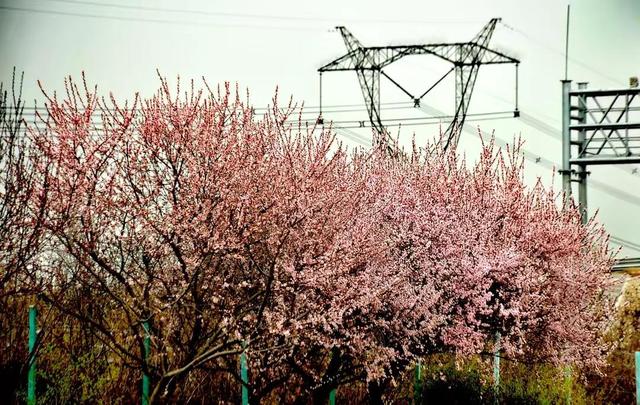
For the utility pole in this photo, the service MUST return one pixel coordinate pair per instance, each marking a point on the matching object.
(466, 58)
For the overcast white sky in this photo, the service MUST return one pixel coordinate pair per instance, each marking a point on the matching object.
(261, 45)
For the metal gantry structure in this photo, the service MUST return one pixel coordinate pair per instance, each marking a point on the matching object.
(466, 58)
(599, 127)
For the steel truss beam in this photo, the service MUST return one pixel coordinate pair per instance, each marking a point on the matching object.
(599, 127)
(466, 57)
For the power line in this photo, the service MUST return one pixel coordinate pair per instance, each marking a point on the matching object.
(560, 53)
(401, 123)
(331, 20)
(215, 14)
(154, 20)
(33, 111)
(362, 106)
(625, 243)
(353, 136)
(418, 120)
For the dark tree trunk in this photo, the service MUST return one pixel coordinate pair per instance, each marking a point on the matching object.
(375, 389)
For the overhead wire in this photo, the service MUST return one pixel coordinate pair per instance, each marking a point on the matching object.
(313, 109)
(354, 136)
(559, 52)
(153, 20)
(428, 121)
(625, 243)
(264, 16)
(128, 7)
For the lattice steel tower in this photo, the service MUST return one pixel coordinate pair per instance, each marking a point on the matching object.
(466, 57)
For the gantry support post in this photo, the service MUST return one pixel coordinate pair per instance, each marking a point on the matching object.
(582, 168)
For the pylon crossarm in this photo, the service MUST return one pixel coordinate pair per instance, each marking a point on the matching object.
(492, 56)
(393, 53)
(354, 60)
(360, 58)
(345, 62)
(447, 52)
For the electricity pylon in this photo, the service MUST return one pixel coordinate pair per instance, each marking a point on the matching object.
(466, 57)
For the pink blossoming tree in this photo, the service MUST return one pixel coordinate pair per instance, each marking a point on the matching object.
(226, 232)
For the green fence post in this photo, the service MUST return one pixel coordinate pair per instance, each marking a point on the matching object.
(332, 397)
(637, 378)
(417, 383)
(31, 384)
(145, 375)
(568, 383)
(496, 366)
(244, 375)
